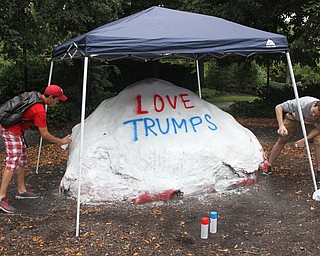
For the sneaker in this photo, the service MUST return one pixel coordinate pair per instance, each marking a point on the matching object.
(27, 195)
(268, 171)
(318, 177)
(5, 206)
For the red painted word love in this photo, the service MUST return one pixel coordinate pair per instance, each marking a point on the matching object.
(160, 103)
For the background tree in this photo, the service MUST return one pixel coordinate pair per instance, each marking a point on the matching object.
(29, 29)
(298, 20)
(32, 28)
(305, 34)
(20, 33)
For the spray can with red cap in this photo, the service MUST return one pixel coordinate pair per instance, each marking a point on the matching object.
(204, 227)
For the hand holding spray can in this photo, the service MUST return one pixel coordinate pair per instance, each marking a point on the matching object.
(282, 133)
(64, 146)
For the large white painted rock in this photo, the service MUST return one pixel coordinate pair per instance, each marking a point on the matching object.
(155, 138)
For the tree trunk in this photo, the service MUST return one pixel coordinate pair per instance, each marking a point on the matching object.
(25, 69)
(156, 67)
(268, 78)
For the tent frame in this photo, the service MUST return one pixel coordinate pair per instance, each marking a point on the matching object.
(72, 50)
(82, 127)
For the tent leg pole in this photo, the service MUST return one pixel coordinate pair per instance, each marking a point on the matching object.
(40, 143)
(301, 119)
(198, 77)
(83, 108)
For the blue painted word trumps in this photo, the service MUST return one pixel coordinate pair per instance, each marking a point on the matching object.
(167, 125)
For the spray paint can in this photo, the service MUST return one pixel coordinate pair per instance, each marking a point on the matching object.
(213, 222)
(282, 133)
(64, 146)
(204, 227)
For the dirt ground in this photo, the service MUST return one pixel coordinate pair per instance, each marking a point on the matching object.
(275, 216)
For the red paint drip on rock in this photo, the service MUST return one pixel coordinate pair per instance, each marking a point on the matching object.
(147, 197)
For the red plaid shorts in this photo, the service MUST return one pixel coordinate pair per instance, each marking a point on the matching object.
(16, 151)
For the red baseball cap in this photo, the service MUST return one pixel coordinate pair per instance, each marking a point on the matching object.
(56, 91)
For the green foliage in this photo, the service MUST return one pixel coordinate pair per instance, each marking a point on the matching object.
(12, 77)
(304, 36)
(181, 74)
(19, 28)
(306, 76)
(30, 29)
(232, 98)
(208, 93)
(59, 114)
(258, 108)
(99, 83)
(264, 107)
(308, 84)
(11, 81)
(67, 19)
(69, 75)
(245, 77)
(299, 21)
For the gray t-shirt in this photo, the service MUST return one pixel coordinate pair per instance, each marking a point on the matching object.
(306, 102)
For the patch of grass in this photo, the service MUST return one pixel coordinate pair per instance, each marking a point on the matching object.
(232, 98)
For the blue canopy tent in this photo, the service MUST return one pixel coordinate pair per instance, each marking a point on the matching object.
(158, 33)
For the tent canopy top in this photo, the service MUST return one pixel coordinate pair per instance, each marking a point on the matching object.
(157, 33)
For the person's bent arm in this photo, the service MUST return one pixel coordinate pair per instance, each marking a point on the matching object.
(46, 135)
(314, 132)
(279, 115)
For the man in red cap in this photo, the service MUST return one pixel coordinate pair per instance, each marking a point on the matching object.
(16, 155)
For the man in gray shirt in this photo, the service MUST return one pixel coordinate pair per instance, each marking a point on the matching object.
(288, 126)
